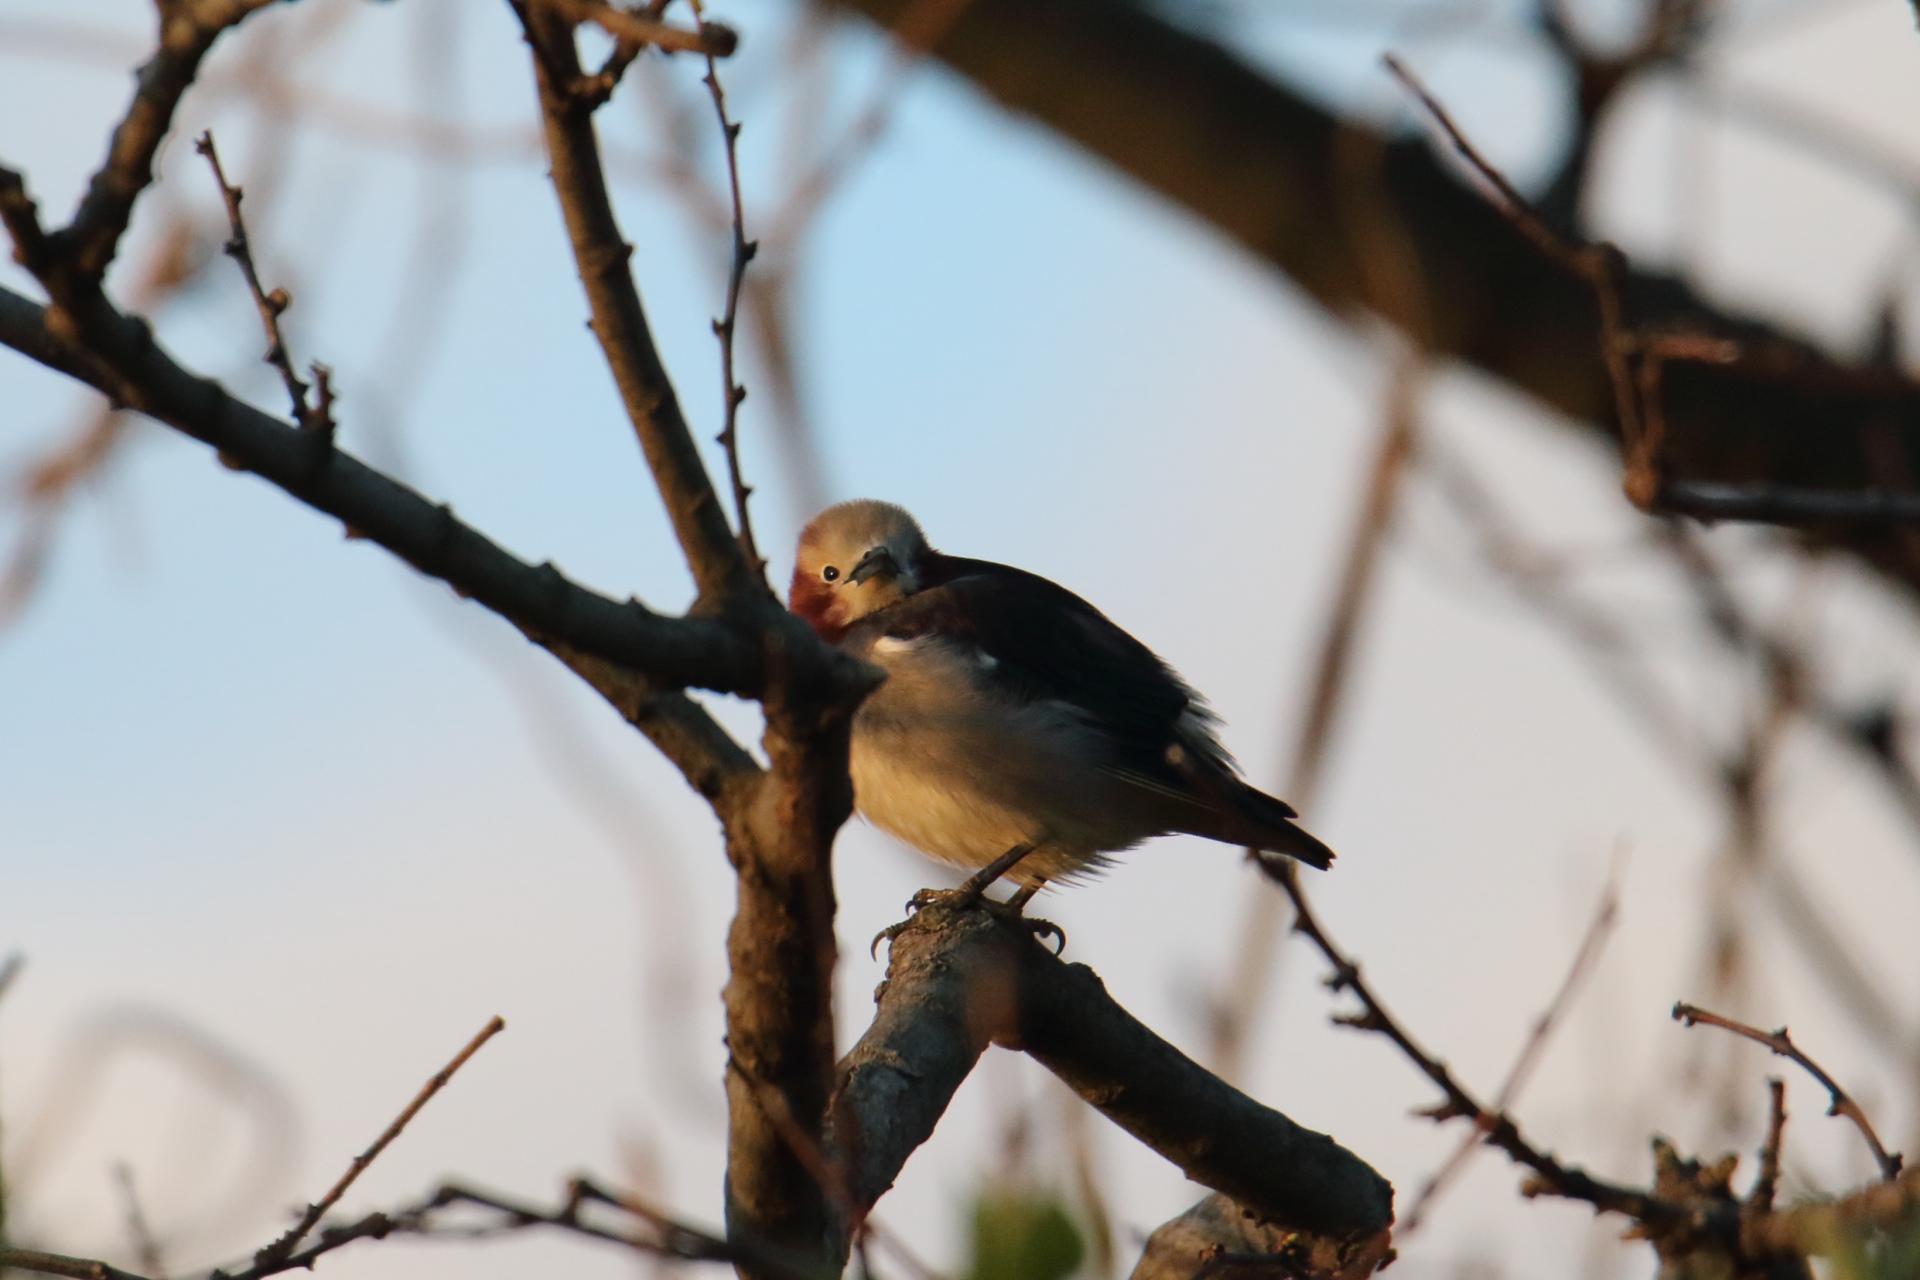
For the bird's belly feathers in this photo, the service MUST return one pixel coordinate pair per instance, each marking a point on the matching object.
(963, 775)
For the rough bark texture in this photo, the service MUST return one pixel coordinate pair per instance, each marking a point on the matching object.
(1256, 159)
(1181, 1246)
(957, 980)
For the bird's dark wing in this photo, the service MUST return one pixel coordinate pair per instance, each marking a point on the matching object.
(1047, 643)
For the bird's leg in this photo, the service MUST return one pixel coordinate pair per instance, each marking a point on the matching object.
(976, 884)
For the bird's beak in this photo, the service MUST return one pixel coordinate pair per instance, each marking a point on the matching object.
(873, 564)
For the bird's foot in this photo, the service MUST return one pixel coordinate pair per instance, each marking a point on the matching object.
(970, 896)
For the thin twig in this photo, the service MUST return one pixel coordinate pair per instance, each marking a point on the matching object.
(283, 1247)
(1591, 945)
(317, 417)
(742, 253)
(1551, 1177)
(1780, 1043)
(1767, 1180)
(10, 970)
(138, 1229)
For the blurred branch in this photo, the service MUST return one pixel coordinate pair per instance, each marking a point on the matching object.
(1550, 1176)
(1767, 1180)
(1250, 154)
(1783, 1046)
(139, 1230)
(713, 39)
(1599, 929)
(1669, 32)
(1394, 283)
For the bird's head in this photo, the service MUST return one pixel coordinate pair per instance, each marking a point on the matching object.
(855, 559)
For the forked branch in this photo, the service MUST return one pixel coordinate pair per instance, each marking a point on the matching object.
(1780, 1043)
(315, 417)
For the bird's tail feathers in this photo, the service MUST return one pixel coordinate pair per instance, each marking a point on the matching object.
(1246, 816)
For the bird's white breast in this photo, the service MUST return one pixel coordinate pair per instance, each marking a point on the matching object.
(963, 772)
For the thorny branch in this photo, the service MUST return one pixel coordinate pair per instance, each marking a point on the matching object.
(742, 253)
(280, 1249)
(1550, 1176)
(317, 417)
(647, 1230)
(1781, 1044)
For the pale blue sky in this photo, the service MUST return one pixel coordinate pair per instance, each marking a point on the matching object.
(261, 777)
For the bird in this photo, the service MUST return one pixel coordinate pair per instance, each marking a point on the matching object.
(1019, 731)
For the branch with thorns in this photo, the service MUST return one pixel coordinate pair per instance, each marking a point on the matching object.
(1780, 1043)
(316, 416)
(283, 1248)
(742, 253)
(1551, 1177)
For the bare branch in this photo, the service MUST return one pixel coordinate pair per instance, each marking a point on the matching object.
(188, 29)
(708, 653)
(958, 980)
(1550, 1176)
(1760, 1199)
(1781, 1044)
(742, 251)
(282, 1248)
(139, 1231)
(317, 417)
(720, 569)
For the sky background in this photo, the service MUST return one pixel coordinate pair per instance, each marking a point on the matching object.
(264, 789)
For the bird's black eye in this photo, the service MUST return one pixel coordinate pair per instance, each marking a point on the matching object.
(830, 573)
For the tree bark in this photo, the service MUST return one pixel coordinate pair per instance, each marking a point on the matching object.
(958, 980)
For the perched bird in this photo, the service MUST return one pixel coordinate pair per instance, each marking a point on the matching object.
(1016, 719)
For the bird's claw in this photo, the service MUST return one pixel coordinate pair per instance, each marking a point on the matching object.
(1041, 929)
(887, 935)
(963, 899)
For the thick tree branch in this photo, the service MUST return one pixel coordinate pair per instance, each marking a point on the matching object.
(959, 979)
(1190, 120)
(707, 653)
(188, 29)
(780, 828)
